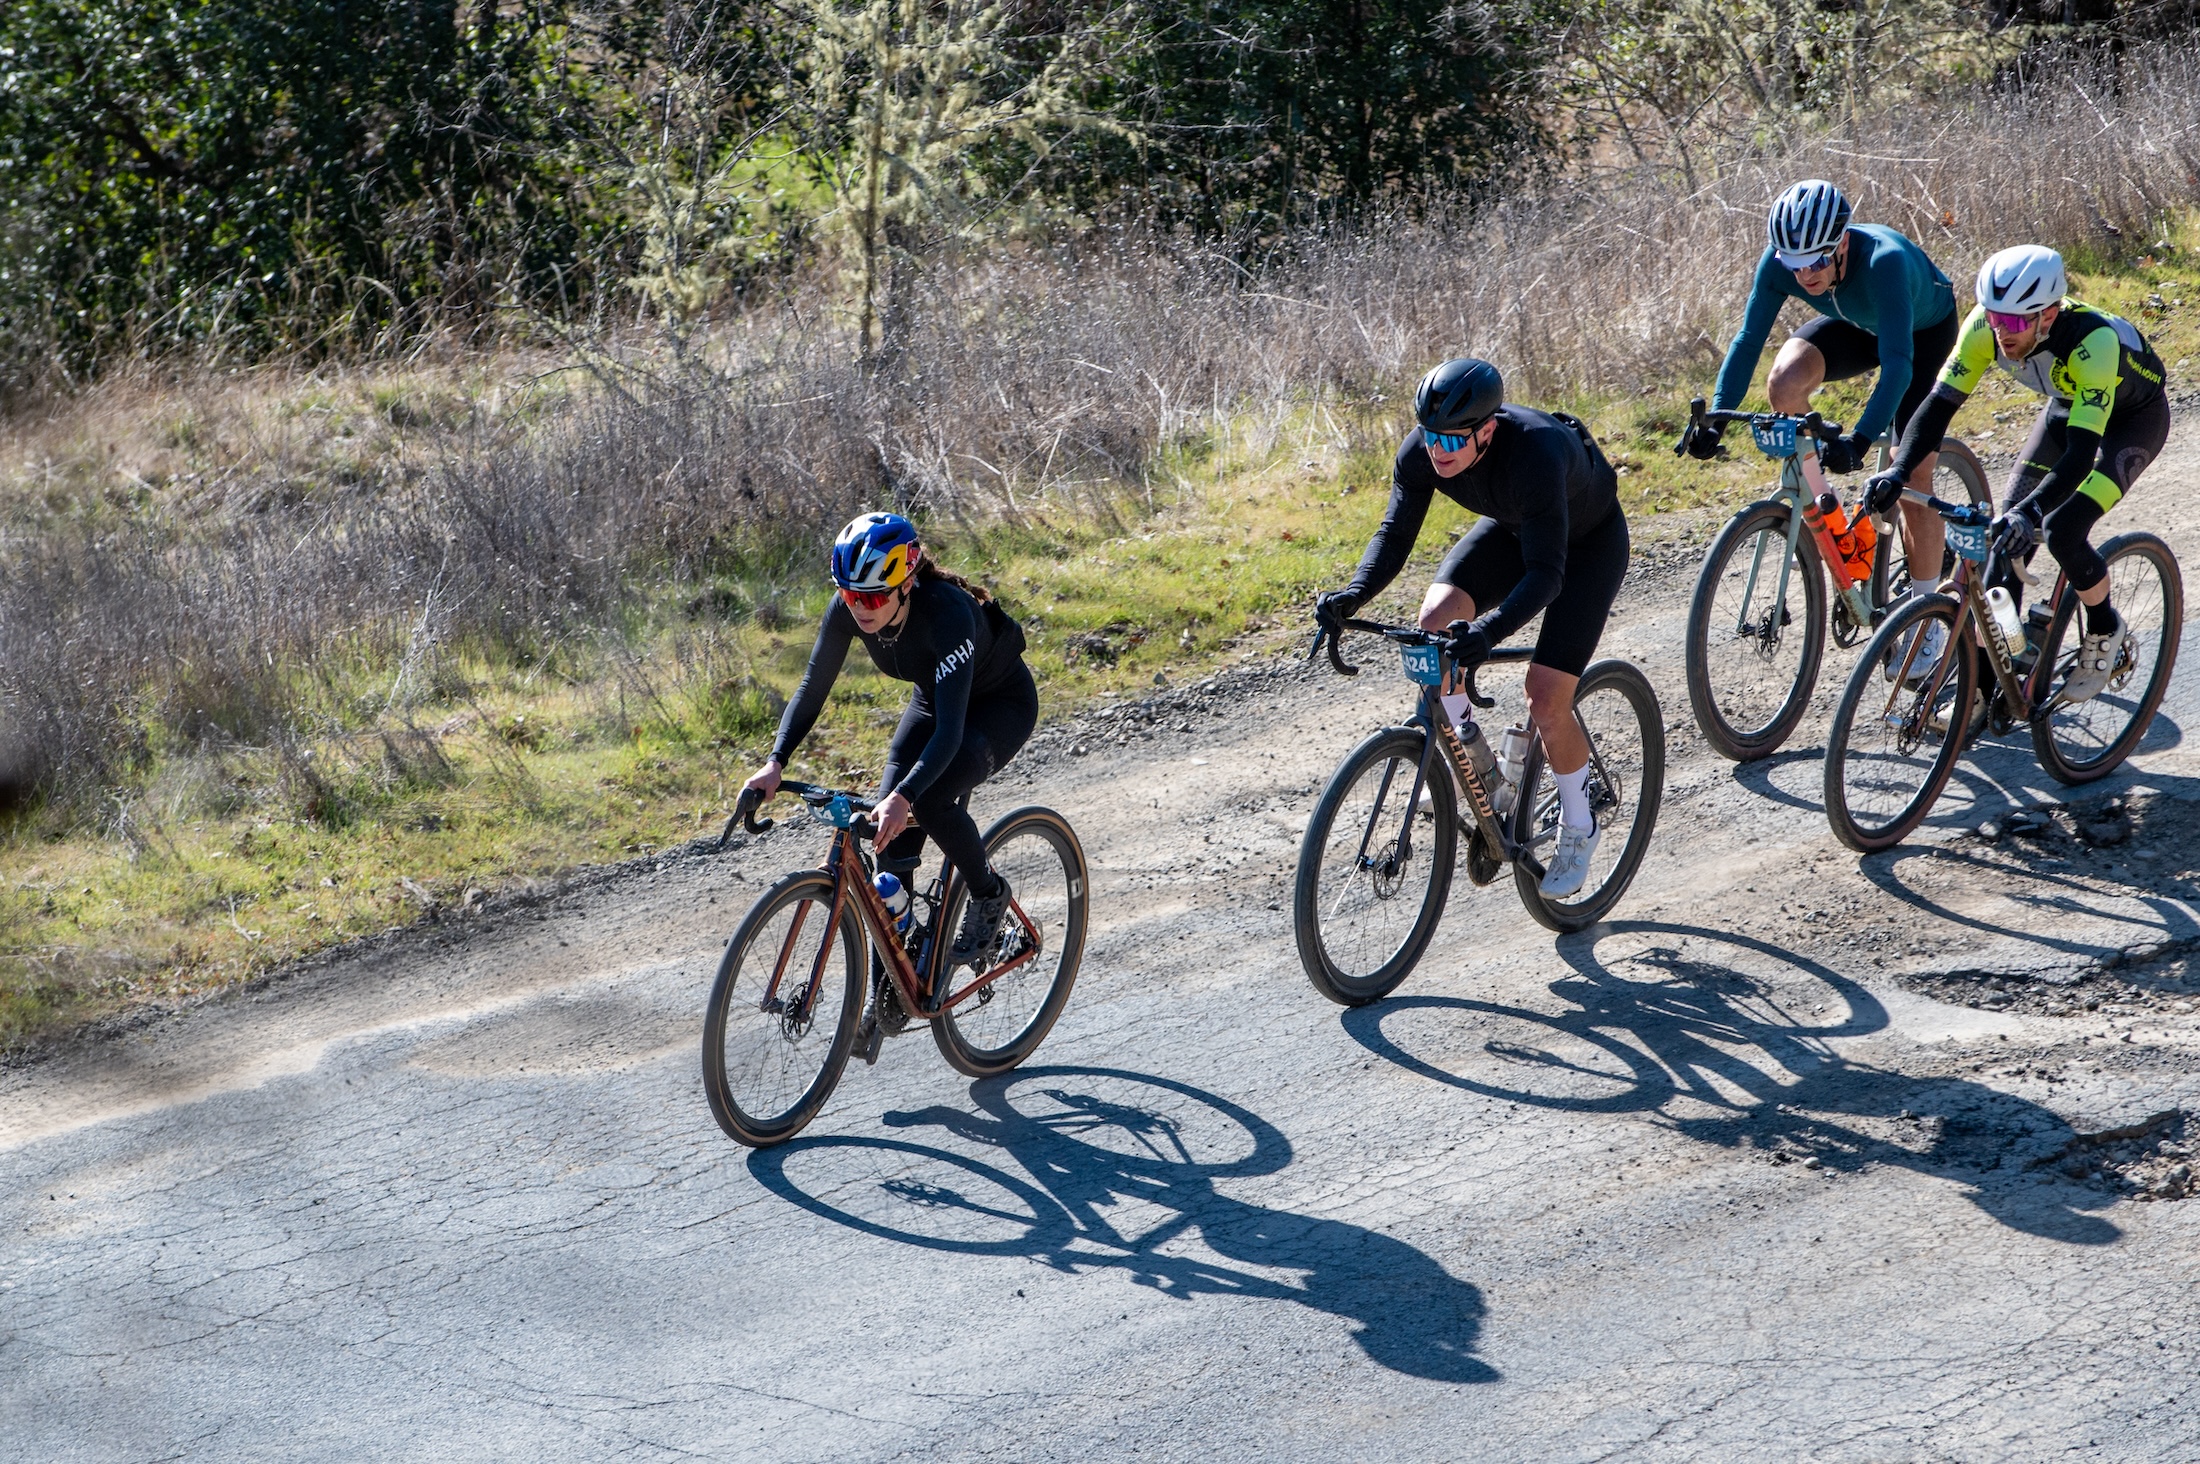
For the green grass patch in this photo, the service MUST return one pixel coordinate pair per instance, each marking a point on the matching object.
(221, 863)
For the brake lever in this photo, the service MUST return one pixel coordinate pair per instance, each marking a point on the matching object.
(1695, 420)
(1327, 636)
(744, 814)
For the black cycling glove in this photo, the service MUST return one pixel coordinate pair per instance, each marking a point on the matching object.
(2020, 530)
(1335, 606)
(1470, 643)
(1882, 491)
(1701, 440)
(1845, 454)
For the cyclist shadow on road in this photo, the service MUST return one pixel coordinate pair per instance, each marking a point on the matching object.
(1728, 1040)
(1095, 1168)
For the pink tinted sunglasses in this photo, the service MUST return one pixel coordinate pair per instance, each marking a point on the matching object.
(2009, 324)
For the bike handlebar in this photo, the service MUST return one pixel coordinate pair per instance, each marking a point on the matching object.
(1329, 635)
(744, 809)
(1810, 424)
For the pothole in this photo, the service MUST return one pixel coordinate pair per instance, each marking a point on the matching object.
(2148, 1160)
(2122, 986)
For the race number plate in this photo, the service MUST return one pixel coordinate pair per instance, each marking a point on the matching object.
(1968, 540)
(1775, 438)
(1424, 664)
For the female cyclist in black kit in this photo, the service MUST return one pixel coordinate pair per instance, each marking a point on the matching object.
(975, 704)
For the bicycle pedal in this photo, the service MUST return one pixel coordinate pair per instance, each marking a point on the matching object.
(869, 1039)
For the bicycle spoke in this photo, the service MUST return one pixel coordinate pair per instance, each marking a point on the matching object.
(1373, 869)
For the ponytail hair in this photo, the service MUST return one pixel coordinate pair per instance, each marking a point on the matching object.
(927, 570)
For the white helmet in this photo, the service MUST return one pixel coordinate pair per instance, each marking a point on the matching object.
(1806, 221)
(2022, 280)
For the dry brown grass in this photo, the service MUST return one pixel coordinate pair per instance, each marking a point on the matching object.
(254, 556)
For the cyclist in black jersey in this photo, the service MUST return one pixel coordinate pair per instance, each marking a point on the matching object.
(2107, 417)
(1551, 539)
(974, 706)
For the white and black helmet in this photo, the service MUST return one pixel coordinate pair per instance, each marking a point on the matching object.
(1806, 222)
(2022, 280)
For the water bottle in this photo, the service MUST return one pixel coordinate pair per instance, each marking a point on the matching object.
(2006, 619)
(1478, 752)
(1512, 756)
(895, 896)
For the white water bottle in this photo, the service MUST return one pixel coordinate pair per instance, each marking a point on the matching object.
(895, 896)
(2006, 619)
(1512, 757)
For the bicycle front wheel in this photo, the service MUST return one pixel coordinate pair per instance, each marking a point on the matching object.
(1756, 633)
(1899, 727)
(1374, 869)
(783, 1012)
(1037, 852)
(2080, 741)
(1626, 728)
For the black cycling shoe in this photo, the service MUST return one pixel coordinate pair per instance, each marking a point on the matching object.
(980, 935)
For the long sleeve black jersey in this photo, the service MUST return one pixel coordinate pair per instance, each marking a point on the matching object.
(950, 647)
(1538, 477)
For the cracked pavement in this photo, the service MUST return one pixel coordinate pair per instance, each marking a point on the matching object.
(1767, 1167)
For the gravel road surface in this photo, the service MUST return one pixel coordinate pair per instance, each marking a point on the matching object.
(1803, 1155)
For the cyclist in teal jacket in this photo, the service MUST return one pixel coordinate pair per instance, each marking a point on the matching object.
(1880, 303)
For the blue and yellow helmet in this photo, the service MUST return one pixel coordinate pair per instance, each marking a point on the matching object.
(877, 551)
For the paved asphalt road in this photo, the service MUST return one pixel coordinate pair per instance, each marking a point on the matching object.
(1725, 1179)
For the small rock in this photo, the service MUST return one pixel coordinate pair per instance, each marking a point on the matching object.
(2105, 831)
(1814, 1162)
(1990, 832)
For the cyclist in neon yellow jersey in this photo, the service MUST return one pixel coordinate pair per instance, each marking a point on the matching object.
(2106, 418)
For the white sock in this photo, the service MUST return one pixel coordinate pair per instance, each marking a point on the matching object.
(1573, 798)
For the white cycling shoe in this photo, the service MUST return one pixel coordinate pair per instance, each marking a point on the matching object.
(1928, 654)
(1568, 870)
(2097, 655)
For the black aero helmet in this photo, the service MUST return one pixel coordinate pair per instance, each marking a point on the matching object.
(1458, 396)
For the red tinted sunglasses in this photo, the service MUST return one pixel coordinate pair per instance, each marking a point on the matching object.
(870, 599)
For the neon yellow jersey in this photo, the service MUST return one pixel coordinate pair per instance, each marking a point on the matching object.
(2089, 358)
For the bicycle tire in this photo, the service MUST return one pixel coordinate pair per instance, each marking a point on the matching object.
(739, 1113)
(1021, 846)
(1323, 938)
(2083, 727)
(1537, 806)
(1890, 572)
(1862, 831)
(1764, 734)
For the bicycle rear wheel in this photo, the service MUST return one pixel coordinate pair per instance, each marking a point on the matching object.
(772, 1049)
(1037, 852)
(1626, 727)
(1893, 743)
(2080, 741)
(1374, 870)
(1753, 645)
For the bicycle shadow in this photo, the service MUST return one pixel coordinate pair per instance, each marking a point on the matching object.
(1764, 776)
(1998, 773)
(1671, 1031)
(1104, 1169)
(2059, 899)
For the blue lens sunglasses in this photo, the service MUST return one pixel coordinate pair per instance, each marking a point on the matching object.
(1445, 441)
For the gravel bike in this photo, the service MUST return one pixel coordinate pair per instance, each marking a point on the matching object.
(784, 1016)
(1901, 724)
(1758, 620)
(1376, 864)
